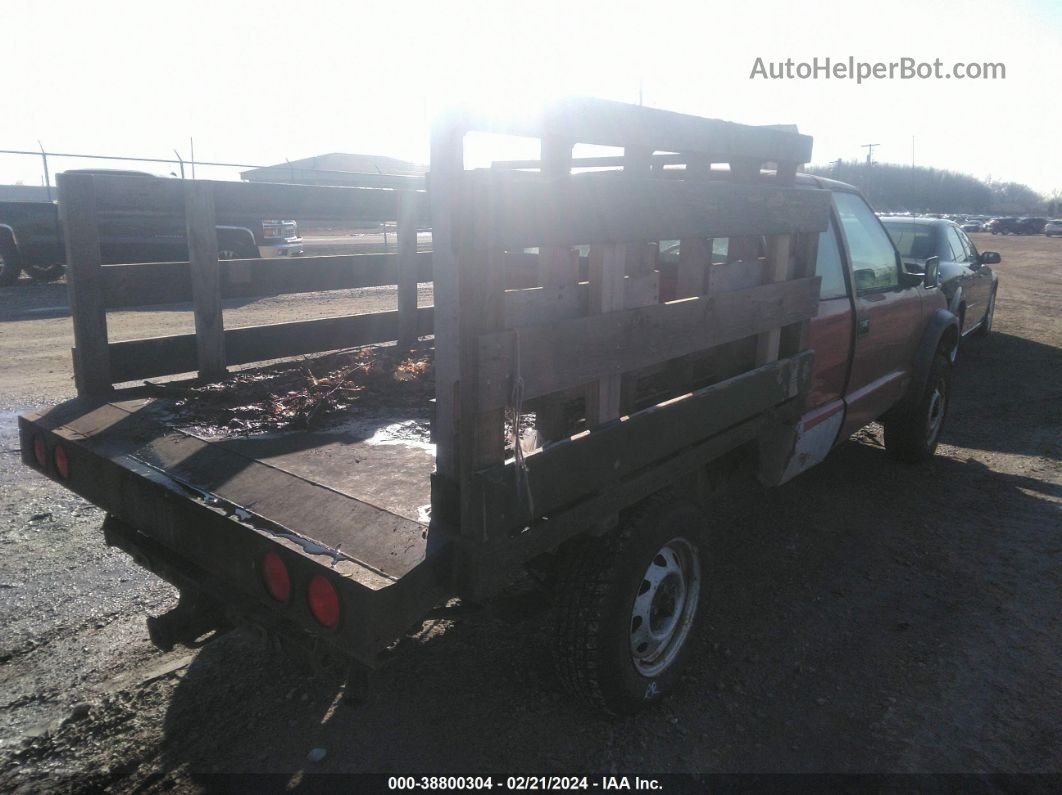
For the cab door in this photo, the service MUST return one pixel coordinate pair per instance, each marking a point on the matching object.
(976, 281)
(887, 314)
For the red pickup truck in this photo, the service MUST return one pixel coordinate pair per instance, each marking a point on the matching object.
(339, 539)
(883, 338)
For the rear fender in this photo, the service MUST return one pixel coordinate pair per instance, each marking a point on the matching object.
(238, 238)
(7, 235)
(941, 334)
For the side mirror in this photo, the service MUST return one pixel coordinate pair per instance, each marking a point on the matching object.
(932, 274)
(990, 258)
(914, 266)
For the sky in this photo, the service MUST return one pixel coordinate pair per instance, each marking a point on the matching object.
(261, 82)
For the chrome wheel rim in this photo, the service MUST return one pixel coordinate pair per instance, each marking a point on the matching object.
(665, 606)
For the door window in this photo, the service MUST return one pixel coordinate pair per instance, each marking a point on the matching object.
(829, 267)
(959, 245)
(873, 257)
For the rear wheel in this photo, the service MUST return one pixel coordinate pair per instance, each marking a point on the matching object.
(913, 434)
(627, 607)
(9, 267)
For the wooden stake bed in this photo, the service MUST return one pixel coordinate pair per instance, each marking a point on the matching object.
(358, 491)
(571, 381)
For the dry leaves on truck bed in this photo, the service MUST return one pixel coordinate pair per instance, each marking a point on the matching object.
(306, 393)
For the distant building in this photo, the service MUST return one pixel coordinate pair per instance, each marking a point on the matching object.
(342, 169)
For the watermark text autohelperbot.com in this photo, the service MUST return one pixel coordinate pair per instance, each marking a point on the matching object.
(851, 69)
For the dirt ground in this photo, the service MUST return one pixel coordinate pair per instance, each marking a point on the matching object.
(867, 617)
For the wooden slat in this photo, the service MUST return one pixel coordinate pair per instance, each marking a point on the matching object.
(447, 172)
(609, 208)
(777, 268)
(558, 267)
(407, 270)
(481, 284)
(568, 471)
(481, 428)
(695, 260)
(544, 304)
(77, 212)
(134, 360)
(745, 247)
(491, 567)
(596, 121)
(206, 278)
(255, 199)
(726, 277)
(564, 355)
(607, 266)
(149, 283)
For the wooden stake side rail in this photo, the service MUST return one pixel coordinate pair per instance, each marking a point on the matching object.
(606, 123)
(554, 357)
(203, 206)
(134, 360)
(151, 283)
(603, 342)
(610, 208)
(129, 196)
(625, 447)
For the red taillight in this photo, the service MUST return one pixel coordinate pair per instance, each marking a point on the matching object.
(40, 451)
(277, 579)
(62, 463)
(324, 601)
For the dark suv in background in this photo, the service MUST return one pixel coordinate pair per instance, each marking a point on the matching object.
(1016, 226)
(966, 279)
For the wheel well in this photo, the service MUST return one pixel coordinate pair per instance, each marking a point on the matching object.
(7, 235)
(237, 237)
(950, 338)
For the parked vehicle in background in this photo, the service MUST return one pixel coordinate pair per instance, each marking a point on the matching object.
(968, 282)
(1002, 226)
(1053, 227)
(971, 226)
(1031, 225)
(31, 237)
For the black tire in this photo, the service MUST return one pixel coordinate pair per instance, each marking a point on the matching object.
(45, 273)
(9, 266)
(912, 435)
(986, 324)
(614, 590)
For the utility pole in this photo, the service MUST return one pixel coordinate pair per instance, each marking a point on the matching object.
(870, 162)
(47, 176)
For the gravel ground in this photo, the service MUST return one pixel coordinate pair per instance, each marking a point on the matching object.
(867, 617)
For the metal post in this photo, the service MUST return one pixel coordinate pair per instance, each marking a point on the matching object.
(181, 161)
